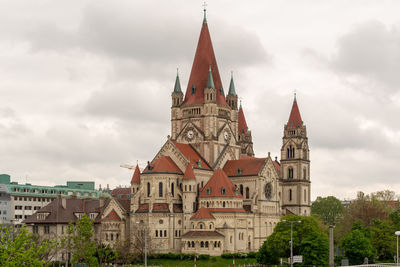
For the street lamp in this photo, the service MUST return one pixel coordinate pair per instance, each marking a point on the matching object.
(291, 239)
(145, 242)
(397, 233)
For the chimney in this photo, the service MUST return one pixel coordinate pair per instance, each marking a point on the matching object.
(101, 201)
(64, 202)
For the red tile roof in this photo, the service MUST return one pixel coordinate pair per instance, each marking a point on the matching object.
(190, 153)
(295, 120)
(244, 166)
(143, 208)
(203, 59)
(217, 182)
(189, 174)
(136, 175)
(160, 207)
(162, 164)
(242, 125)
(202, 233)
(124, 191)
(277, 166)
(202, 213)
(112, 216)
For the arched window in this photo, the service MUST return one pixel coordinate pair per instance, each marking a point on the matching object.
(112, 237)
(247, 193)
(290, 194)
(241, 189)
(223, 191)
(290, 152)
(206, 244)
(290, 173)
(156, 233)
(192, 244)
(160, 189)
(202, 244)
(165, 233)
(223, 204)
(106, 237)
(304, 173)
(201, 226)
(148, 189)
(188, 244)
(305, 195)
(173, 189)
(210, 226)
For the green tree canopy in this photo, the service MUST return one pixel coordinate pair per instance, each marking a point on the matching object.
(308, 240)
(80, 243)
(328, 209)
(20, 249)
(357, 247)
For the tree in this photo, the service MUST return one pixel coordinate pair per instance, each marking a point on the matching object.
(105, 254)
(308, 240)
(384, 195)
(79, 241)
(21, 249)
(328, 209)
(357, 247)
(383, 239)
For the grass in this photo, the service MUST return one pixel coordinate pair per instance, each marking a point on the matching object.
(212, 262)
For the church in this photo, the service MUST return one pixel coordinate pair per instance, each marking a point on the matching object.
(205, 192)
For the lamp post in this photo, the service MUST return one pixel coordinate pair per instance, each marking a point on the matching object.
(397, 233)
(291, 239)
(145, 243)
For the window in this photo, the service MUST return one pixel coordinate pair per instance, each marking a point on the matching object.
(208, 191)
(188, 244)
(290, 152)
(202, 244)
(290, 173)
(106, 237)
(223, 191)
(148, 189)
(305, 195)
(62, 229)
(247, 193)
(35, 229)
(160, 189)
(193, 89)
(156, 233)
(206, 244)
(223, 204)
(192, 244)
(112, 237)
(46, 229)
(290, 194)
(241, 189)
(160, 233)
(173, 189)
(28, 208)
(231, 239)
(165, 233)
(304, 173)
(92, 216)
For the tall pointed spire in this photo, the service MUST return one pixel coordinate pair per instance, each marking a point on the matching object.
(210, 80)
(232, 90)
(177, 87)
(242, 124)
(295, 120)
(205, 13)
(136, 175)
(203, 59)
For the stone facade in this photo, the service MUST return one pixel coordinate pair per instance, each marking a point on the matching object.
(204, 191)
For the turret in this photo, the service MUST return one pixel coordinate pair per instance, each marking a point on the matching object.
(232, 97)
(209, 91)
(189, 190)
(177, 95)
(295, 165)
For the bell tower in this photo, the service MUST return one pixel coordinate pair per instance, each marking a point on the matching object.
(295, 165)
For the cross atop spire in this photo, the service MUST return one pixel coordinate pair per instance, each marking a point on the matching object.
(205, 12)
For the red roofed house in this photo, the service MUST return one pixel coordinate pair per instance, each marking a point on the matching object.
(204, 191)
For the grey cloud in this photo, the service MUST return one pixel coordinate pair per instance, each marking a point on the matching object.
(371, 51)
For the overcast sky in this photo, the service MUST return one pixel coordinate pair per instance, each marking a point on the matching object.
(85, 85)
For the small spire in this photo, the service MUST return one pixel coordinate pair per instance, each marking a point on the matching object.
(294, 96)
(177, 87)
(232, 90)
(205, 13)
(240, 103)
(210, 80)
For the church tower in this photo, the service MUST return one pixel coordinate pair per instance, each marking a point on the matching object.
(295, 165)
(203, 118)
